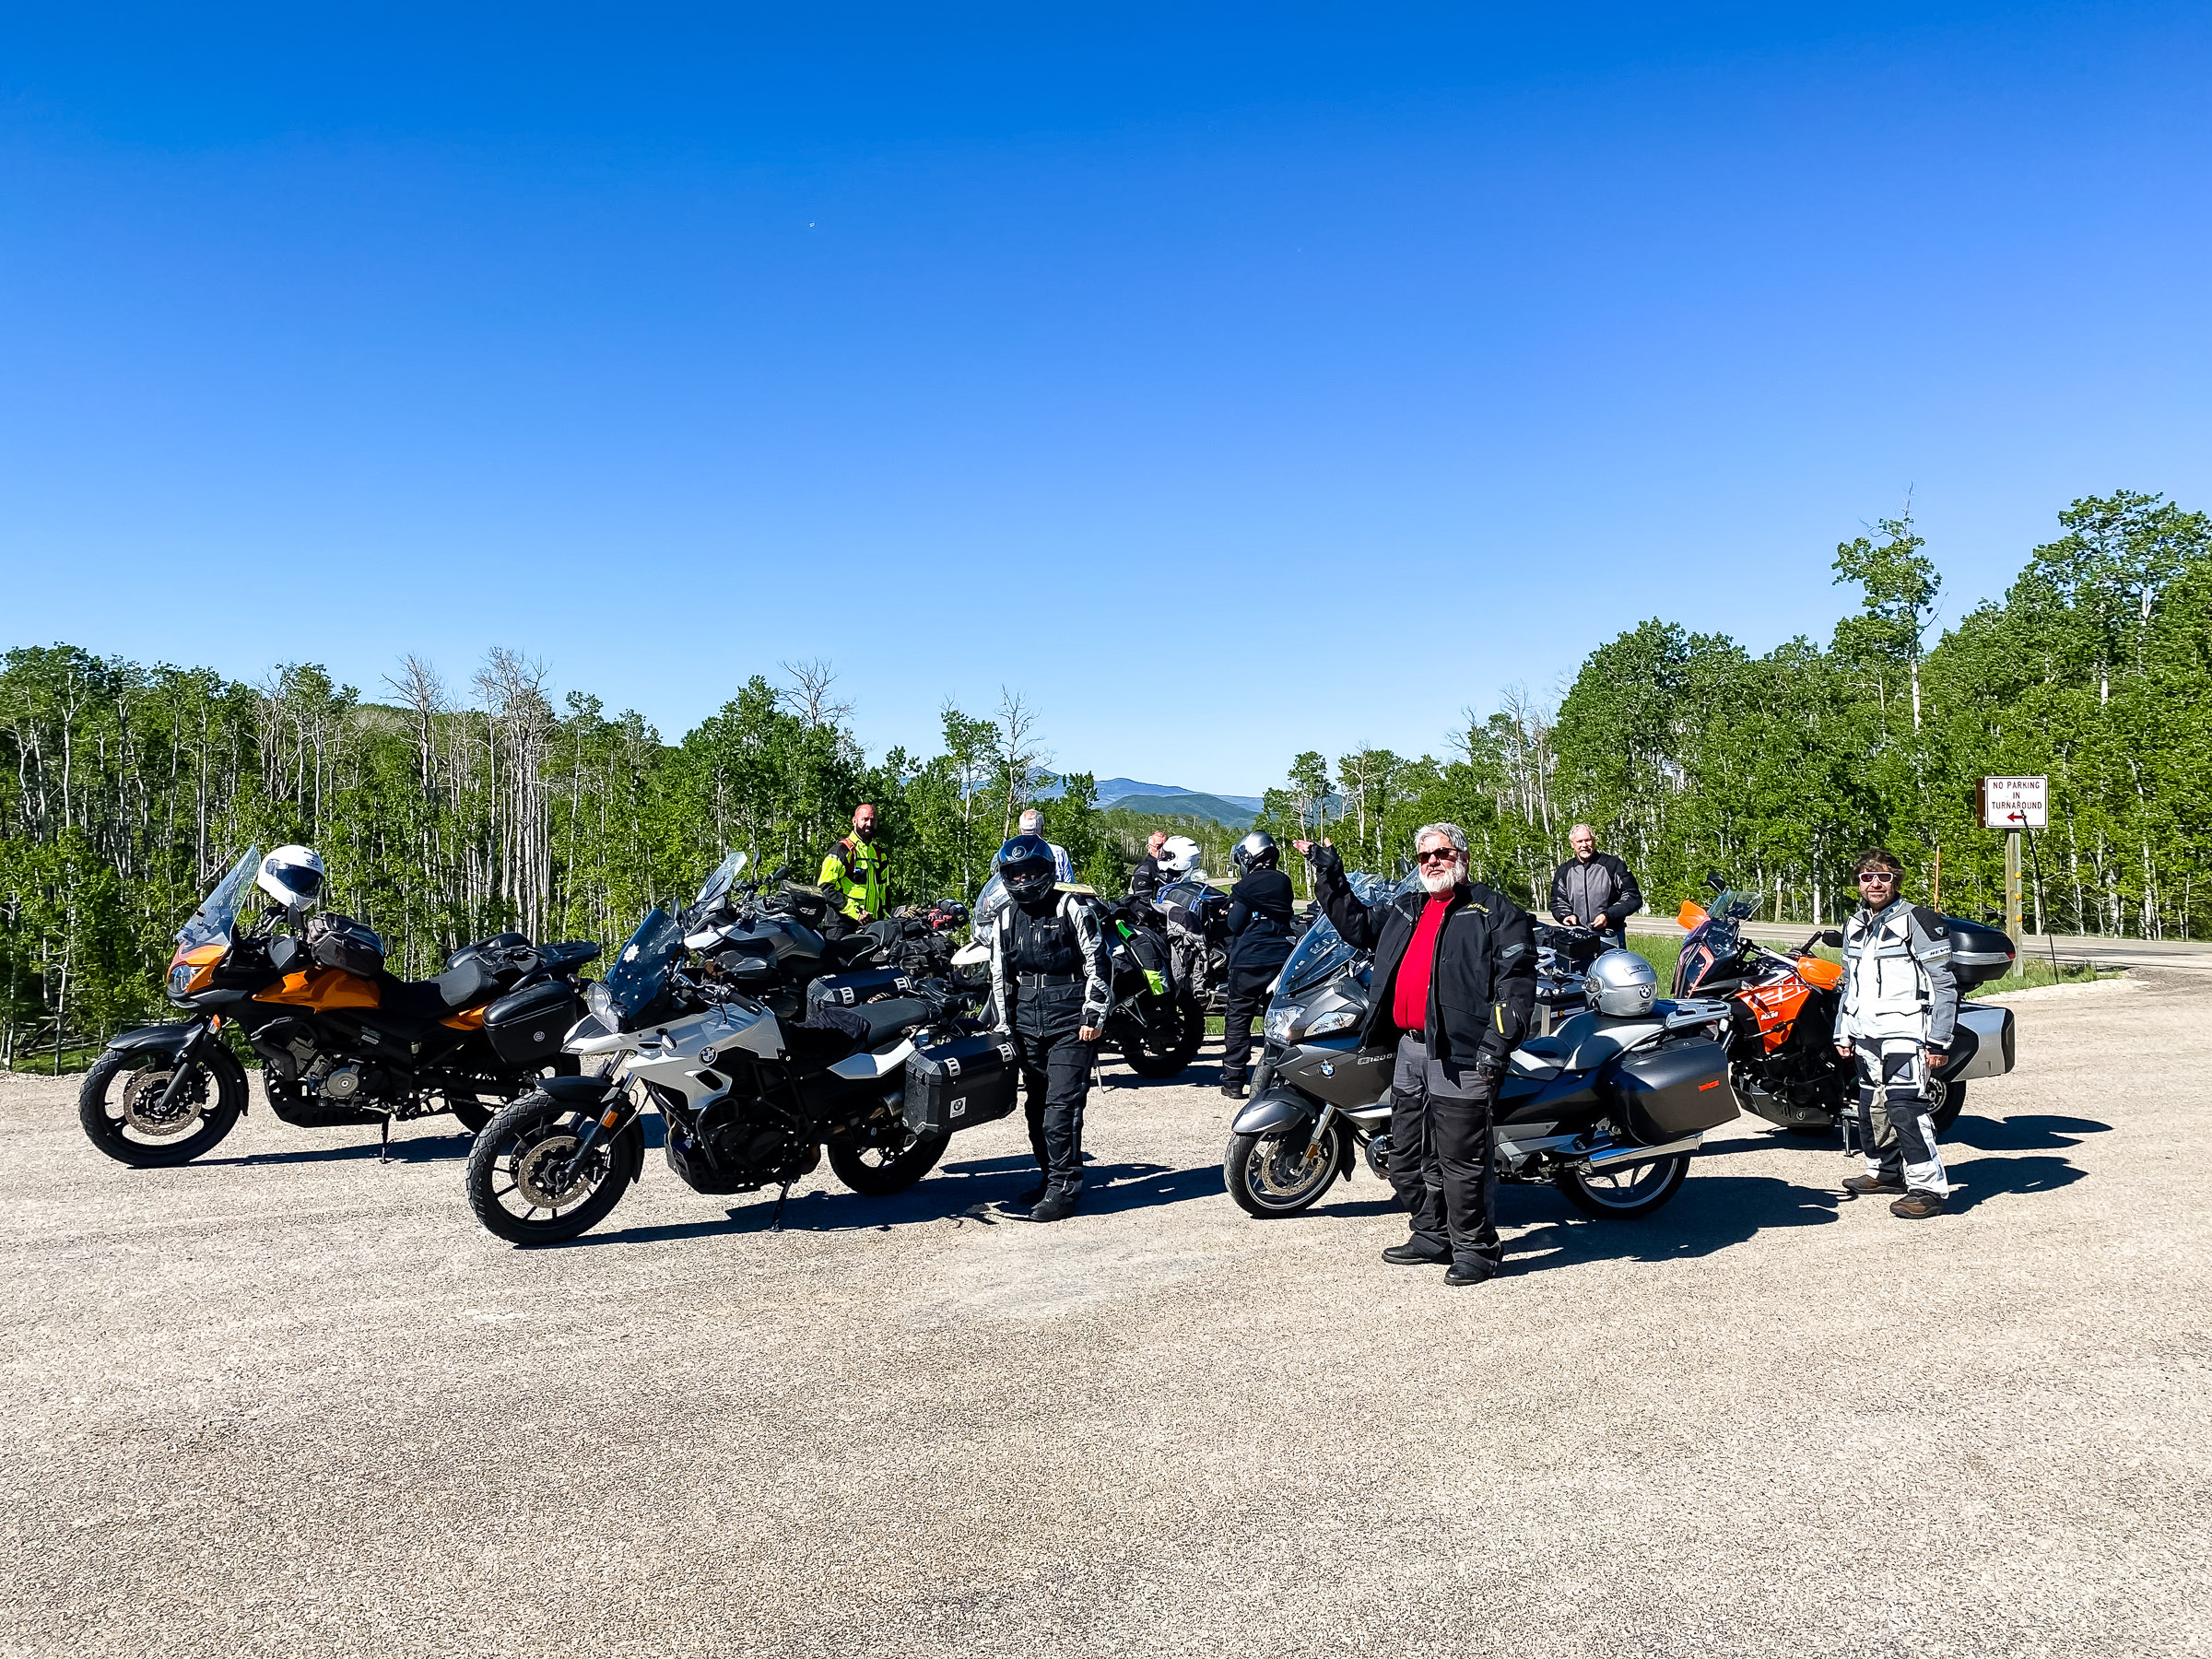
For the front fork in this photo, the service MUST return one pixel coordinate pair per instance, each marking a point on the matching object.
(616, 1114)
(186, 1052)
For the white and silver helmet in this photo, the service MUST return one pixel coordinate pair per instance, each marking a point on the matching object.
(1255, 852)
(1623, 984)
(1179, 855)
(293, 876)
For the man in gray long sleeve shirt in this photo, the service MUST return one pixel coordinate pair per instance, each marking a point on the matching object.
(1895, 1016)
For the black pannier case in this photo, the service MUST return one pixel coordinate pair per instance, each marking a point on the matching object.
(1978, 953)
(1667, 1093)
(958, 1084)
(526, 1028)
(847, 990)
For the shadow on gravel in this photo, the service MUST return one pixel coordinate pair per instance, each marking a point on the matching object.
(1711, 1212)
(1986, 1177)
(980, 1190)
(415, 1150)
(2021, 1133)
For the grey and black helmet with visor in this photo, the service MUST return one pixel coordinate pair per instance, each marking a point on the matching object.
(1027, 866)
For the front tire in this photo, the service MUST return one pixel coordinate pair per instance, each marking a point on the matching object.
(1142, 1048)
(1624, 1195)
(119, 1106)
(876, 1172)
(1267, 1179)
(516, 1181)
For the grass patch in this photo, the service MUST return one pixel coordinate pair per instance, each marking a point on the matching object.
(2033, 971)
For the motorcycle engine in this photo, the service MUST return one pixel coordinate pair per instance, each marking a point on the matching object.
(752, 1138)
(341, 1080)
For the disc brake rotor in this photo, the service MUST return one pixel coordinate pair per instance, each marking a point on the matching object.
(142, 1104)
(538, 1173)
(1282, 1172)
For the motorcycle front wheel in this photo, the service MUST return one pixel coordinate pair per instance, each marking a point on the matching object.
(878, 1172)
(120, 1106)
(1268, 1178)
(1623, 1195)
(1153, 1052)
(519, 1184)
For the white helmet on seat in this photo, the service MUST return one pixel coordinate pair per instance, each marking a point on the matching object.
(1178, 856)
(1623, 984)
(293, 876)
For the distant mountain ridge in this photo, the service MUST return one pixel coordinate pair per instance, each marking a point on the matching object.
(1171, 800)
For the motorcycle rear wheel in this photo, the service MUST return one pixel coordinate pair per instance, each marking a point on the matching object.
(118, 1119)
(1265, 1182)
(877, 1172)
(1624, 1195)
(518, 1153)
(1948, 1102)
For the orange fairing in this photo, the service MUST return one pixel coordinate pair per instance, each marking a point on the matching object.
(1693, 915)
(468, 1019)
(1775, 1007)
(321, 988)
(202, 958)
(1819, 973)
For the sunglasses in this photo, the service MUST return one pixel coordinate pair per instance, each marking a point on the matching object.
(1439, 855)
(1877, 878)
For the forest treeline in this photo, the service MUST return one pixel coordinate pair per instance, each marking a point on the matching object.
(446, 812)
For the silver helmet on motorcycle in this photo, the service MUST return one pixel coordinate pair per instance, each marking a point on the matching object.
(1255, 852)
(293, 876)
(1178, 856)
(1623, 984)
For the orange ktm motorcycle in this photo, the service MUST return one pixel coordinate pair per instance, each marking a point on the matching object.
(1781, 1054)
(340, 1040)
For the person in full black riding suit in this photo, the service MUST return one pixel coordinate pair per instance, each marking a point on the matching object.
(1454, 983)
(1259, 931)
(1051, 982)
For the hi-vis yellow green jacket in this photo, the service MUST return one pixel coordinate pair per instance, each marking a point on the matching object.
(856, 871)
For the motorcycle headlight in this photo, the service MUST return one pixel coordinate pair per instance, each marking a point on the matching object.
(600, 1001)
(1336, 1019)
(1276, 1026)
(178, 978)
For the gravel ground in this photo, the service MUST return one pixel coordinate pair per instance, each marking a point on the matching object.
(292, 1400)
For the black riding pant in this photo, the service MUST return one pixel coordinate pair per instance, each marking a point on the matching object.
(1055, 1066)
(1441, 1164)
(1247, 1001)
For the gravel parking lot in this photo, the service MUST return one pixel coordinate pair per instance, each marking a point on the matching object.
(289, 1400)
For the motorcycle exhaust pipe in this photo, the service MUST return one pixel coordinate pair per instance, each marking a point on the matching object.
(1619, 1156)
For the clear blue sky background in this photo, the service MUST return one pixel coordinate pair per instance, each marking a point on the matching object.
(1230, 382)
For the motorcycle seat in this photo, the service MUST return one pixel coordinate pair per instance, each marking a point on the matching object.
(1540, 1058)
(823, 1045)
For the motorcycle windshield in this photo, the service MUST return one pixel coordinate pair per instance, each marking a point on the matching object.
(641, 968)
(719, 884)
(218, 914)
(1322, 951)
(988, 903)
(1734, 904)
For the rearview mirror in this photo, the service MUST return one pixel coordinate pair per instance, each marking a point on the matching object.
(283, 950)
(1715, 880)
(1832, 938)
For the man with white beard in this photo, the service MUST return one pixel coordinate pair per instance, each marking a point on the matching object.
(1453, 982)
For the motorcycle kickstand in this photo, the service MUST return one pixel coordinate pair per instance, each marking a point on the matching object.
(384, 1139)
(775, 1221)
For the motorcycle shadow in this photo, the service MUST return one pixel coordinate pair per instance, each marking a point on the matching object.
(1713, 1213)
(414, 1149)
(2023, 1133)
(980, 1190)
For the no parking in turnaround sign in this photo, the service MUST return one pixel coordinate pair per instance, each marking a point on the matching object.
(2016, 803)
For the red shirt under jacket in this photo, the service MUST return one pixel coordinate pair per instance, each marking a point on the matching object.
(1409, 1002)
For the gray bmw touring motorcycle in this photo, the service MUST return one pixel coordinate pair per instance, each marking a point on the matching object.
(1608, 1107)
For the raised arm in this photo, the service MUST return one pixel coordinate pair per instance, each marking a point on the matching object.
(1360, 926)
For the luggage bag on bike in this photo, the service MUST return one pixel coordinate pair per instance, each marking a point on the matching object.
(958, 1084)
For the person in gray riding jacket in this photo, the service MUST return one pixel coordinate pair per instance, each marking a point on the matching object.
(1052, 985)
(1895, 1020)
(1595, 890)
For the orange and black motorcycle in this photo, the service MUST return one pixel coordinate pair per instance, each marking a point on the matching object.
(1781, 1054)
(341, 1040)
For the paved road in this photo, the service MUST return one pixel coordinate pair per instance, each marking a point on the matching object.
(2181, 956)
(291, 1401)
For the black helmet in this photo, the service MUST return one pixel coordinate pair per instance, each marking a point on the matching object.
(1255, 852)
(1027, 866)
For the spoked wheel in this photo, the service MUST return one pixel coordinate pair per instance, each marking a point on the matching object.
(524, 1181)
(1622, 1194)
(121, 1106)
(1164, 1045)
(878, 1170)
(1271, 1175)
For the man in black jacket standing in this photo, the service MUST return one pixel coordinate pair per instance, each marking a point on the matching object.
(1259, 943)
(1453, 981)
(1595, 890)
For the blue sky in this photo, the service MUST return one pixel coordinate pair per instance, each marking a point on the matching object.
(1229, 383)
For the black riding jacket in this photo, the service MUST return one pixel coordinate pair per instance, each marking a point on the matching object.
(1483, 988)
(1259, 920)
